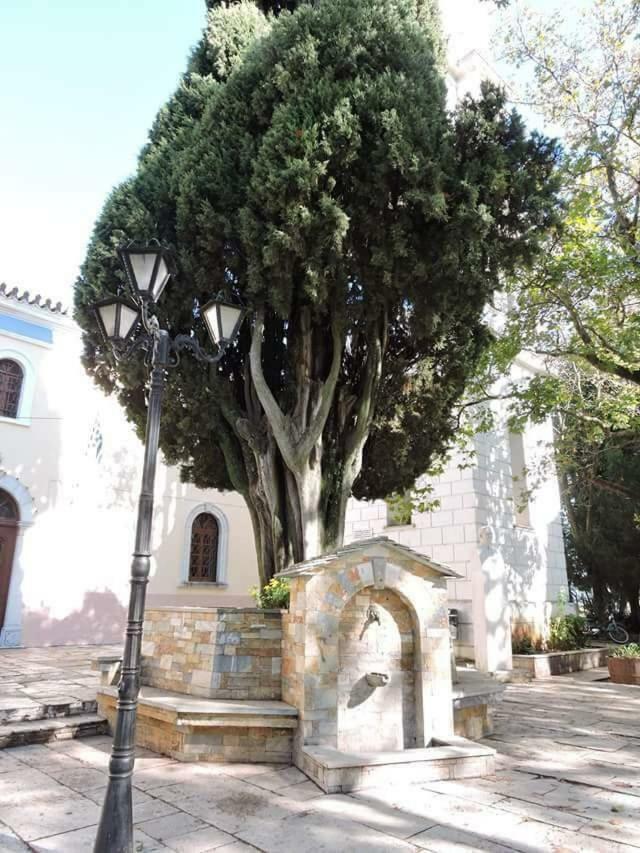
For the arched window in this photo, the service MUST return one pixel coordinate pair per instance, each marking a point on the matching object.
(11, 379)
(203, 556)
(8, 507)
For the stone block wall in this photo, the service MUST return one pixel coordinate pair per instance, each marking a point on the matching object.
(216, 652)
(312, 635)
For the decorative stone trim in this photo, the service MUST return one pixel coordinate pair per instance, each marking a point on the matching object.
(25, 405)
(223, 546)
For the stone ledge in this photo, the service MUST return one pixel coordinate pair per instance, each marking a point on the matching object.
(546, 664)
(192, 729)
(454, 758)
(213, 608)
(452, 747)
(193, 711)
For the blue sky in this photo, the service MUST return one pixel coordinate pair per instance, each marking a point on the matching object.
(80, 84)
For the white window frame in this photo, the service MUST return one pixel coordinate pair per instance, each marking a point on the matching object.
(25, 403)
(223, 546)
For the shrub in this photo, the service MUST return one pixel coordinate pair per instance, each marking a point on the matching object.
(566, 633)
(522, 645)
(630, 651)
(272, 596)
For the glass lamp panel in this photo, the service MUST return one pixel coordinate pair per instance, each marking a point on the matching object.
(161, 279)
(142, 266)
(128, 319)
(229, 316)
(108, 316)
(212, 319)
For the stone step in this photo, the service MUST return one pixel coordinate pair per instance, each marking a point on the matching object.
(23, 709)
(60, 728)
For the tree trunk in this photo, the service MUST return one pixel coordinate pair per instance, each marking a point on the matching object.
(632, 594)
(298, 489)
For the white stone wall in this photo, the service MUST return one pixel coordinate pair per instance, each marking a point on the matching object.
(74, 468)
(481, 496)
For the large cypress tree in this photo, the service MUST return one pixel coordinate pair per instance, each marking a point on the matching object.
(308, 164)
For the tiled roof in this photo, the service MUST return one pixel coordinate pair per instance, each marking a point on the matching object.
(26, 298)
(318, 563)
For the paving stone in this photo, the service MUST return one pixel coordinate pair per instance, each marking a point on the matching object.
(445, 839)
(9, 841)
(279, 779)
(302, 792)
(200, 841)
(466, 790)
(246, 808)
(153, 808)
(82, 840)
(170, 826)
(313, 833)
(81, 779)
(50, 816)
(544, 814)
(372, 813)
(172, 774)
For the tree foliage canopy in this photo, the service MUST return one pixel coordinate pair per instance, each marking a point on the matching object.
(308, 165)
(582, 299)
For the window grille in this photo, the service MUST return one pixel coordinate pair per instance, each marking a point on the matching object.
(11, 378)
(203, 557)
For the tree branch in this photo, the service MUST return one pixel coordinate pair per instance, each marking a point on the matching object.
(325, 400)
(276, 417)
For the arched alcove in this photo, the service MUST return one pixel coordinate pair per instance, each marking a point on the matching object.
(376, 635)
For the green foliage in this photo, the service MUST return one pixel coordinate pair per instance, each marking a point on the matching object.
(521, 644)
(580, 300)
(308, 164)
(273, 596)
(631, 650)
(566, 632)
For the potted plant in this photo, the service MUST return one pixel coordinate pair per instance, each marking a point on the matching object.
(624, 664)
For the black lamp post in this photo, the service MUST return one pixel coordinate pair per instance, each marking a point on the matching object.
(148, 270)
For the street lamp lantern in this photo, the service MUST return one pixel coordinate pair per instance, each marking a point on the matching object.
(223, 321)
(117, 318)
(128, 326)
(148, 269)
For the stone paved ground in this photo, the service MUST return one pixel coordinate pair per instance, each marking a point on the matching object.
(30, 678)
(568, 780)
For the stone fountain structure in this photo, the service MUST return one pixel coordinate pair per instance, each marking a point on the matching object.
(352, 685)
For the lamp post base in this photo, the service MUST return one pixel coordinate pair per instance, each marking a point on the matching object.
(115, 832)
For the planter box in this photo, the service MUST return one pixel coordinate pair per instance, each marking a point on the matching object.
(624, 670)
(560, 663)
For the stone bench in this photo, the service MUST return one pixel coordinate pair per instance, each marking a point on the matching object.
(190, 728)
(109, 668)
(474, 698)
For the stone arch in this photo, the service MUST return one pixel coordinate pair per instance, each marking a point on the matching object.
(326, 595)
(21, 496)
(25, 403)
(377, 634)
(223, 541)
(11, 633)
